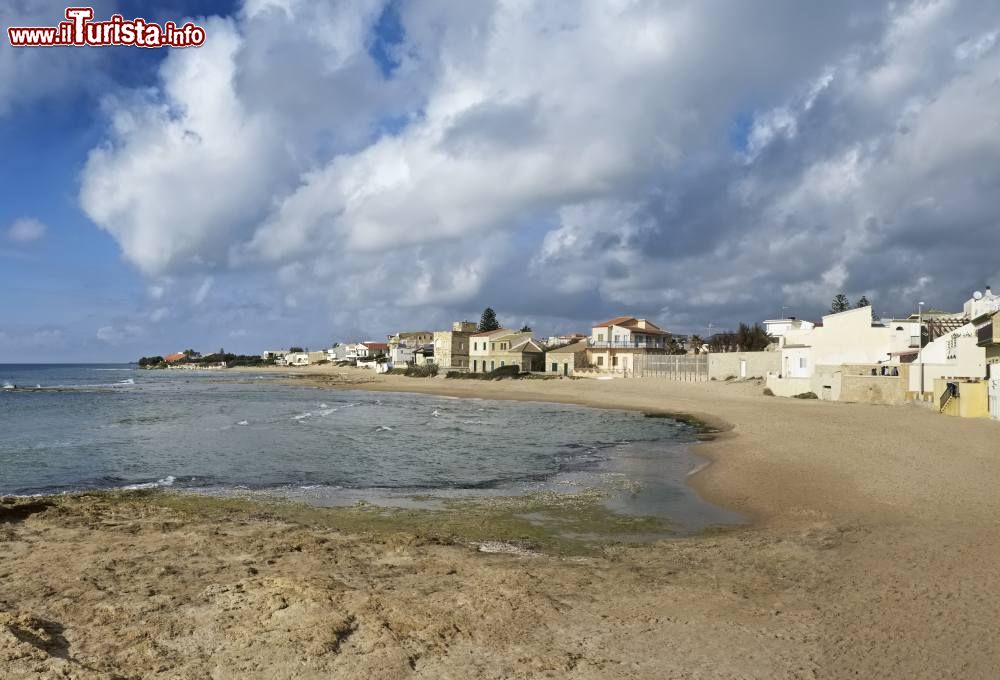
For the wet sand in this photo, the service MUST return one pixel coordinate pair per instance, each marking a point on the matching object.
(872, 554)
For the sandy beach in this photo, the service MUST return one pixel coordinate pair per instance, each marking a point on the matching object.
(872, 553)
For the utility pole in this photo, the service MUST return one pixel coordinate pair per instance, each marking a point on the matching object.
(920, 344)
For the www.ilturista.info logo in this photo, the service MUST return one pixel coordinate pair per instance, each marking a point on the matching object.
(79, 31)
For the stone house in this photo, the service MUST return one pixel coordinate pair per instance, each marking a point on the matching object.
(566, 359)
(451, 348)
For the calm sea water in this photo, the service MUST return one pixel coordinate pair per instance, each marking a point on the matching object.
(80, 427)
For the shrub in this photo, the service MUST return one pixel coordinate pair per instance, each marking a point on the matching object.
(397, 371)
(806, 395)
(768, 392)
(496, 374)
(425, 371)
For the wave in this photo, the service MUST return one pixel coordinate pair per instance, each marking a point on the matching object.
(243, 422)
(302, 416)
(126, 381)
(158, 484)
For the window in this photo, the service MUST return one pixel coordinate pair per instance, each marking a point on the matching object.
(493, 346)
(600, 361)
(493, 365)
(502, 364)
(475, 365)
(555, 367)
(802, 362)
(614, 360)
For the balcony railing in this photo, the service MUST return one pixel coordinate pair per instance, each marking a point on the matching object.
(625, 344)
(989, 334)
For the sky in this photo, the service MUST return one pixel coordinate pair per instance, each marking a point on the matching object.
(337, 171)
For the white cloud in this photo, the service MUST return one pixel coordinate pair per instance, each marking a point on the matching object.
(117, 334)
(25, 230)
(677, 157)
(203, 290)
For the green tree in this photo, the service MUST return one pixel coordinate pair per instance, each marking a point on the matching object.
(840, 304)
(526, 328)
(294, 349)
(863, 302)
(488, 321)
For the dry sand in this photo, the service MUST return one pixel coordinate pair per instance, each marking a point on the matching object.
(873, 554)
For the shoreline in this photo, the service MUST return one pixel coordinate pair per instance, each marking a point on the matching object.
(872, 554)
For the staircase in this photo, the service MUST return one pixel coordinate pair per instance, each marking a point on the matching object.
(949, 394)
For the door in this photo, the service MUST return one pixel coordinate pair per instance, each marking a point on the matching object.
(743, 368)
(565, 369)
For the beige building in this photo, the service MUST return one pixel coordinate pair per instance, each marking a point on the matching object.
(566, 359)
(617, 344)
(451, 348)
(491, 350)
(411, 339)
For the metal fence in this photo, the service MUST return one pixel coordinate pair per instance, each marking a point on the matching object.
(686, 367)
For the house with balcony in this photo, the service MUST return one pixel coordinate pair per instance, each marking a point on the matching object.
(988, 338)
(491, 350)
(616, 344)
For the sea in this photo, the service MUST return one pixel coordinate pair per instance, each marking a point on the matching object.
(83, 427)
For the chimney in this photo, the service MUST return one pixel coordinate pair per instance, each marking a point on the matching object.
(989, 292)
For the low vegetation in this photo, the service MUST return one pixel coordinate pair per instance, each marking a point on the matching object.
(806, 395)
(425, 371)
(496, 374)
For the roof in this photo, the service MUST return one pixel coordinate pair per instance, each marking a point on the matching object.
(571, 348)
(617, 321)
(650, 329)
(375, 345)
(176, 356)
(631, 323)
(529, 345)
(488, 333)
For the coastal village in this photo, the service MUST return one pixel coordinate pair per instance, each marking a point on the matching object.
(948, 361)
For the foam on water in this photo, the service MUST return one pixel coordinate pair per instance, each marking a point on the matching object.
(158, 484)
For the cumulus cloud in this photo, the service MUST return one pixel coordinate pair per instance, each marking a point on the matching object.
(691, 161)
(25, 230)
(30, 74)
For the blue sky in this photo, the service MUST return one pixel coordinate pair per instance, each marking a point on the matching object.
(339, 171)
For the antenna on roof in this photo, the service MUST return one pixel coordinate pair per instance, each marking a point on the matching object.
(977, 295)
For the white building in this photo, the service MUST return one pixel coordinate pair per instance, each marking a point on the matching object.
(777, 328)
(981, 304)
(851, 337)
(954, 355)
